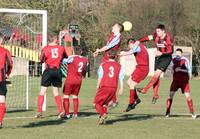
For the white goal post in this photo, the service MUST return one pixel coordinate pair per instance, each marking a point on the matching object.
(22, 52)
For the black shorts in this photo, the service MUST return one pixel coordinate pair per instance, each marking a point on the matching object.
(3, 88)
(52, 77)
(162, 62)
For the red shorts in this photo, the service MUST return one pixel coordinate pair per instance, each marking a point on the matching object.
(71, 89)
(104, 95)
(185, 87)
(139, 74)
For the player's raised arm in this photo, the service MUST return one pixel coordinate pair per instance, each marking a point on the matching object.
(113, 41)
(68, 60)
(100, 75)
(110, 44)
(133, 48)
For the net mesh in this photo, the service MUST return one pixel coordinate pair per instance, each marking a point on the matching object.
(23, 38)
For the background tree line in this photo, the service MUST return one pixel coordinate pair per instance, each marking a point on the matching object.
(95, 18)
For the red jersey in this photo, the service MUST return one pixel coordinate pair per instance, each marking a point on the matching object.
(76, 66)
(110, 74)
(5, 63)
(52, 56)
(165, 45)
(113, 43)
(142, 56)
(181, 69)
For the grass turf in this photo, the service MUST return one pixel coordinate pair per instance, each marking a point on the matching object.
(147, 121)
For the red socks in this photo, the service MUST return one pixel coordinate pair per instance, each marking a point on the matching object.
(190, 105)
(168, 105)
(132, 96)
(58, 103)
(99, 109)
(2, 111)
(76, 103)
(66, 105)
(152, 81)
(40, 102)
(155, 88)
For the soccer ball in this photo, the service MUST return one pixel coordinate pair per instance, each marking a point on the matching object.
(127, 25)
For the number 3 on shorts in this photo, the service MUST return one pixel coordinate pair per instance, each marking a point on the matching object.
(111, 73)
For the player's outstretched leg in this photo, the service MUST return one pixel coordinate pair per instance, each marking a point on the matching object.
(152, 81)
(155, 91)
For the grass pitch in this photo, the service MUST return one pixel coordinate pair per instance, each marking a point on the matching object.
(147, 121)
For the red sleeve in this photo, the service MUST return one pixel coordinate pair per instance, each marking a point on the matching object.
(148, 37)
(144, 39)
(9, 63)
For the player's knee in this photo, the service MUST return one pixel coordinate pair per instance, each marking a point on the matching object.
(66, 96)
(187, 95)
(2, 99)
(74, 96)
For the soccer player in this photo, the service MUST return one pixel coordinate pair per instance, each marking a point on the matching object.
(182, 72)
(140, 73)
(113, 43)
(164, 45)
(76, 66)
(5, 67)
(109, 73)
(52, 56)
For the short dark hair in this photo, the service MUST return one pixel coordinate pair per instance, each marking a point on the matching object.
(161, 26)
(180, 50)
(131, 40)
(112, 54)
(121, 27)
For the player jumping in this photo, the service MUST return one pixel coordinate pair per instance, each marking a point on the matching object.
(181, 74)
(52, 55)
(109, 73)
(5, 67)
(140, 73)
(113, 43)
(76, 66)
(164, 45)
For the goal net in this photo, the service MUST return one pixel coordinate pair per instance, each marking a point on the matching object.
(25, 33)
